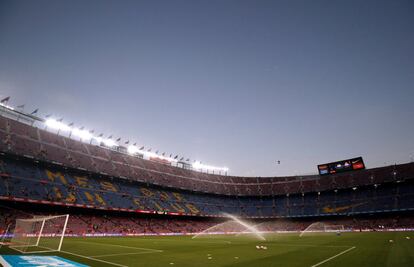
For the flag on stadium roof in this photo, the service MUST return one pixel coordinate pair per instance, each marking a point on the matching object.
(4, 100)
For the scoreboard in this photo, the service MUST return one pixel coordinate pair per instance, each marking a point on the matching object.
(341, 166)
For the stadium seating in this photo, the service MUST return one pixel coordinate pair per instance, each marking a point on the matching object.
(22, 139)
(24, 180)
(39, 166)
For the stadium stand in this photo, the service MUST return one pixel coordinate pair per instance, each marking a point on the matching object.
(129, 195)
(26, 180)
(21, 139)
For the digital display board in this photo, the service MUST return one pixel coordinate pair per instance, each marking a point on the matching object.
(341, 166)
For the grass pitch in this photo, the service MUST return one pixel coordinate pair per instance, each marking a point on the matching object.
(326, 250)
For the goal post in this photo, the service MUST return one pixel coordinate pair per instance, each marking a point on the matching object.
(39, 234)
(5, 236)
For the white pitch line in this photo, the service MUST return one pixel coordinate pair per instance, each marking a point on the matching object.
(4, 263)
(115, 245)
(333, 257)
(93, 259)
(122, 254)
(308, 245)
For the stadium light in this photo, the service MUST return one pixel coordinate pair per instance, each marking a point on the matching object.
(54, 124)
(199, 166)
(109, 142)
(150, 154)
(98, 139)
(106, 142)
(83, 134)
(132, 150)
(6, 106)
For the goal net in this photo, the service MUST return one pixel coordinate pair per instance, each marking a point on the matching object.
(334, 228)
(320, 227)
(39, 234)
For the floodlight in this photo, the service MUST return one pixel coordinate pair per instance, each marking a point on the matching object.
(154, 155)
(83, 134)
(54, 124)
(132, 149)
(198, 166)
(98, 139)
(6, 106)
(109, 142)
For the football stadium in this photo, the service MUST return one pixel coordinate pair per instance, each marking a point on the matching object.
(206, 133)
(67, 192)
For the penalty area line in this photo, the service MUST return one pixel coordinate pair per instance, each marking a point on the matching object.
(333, 257)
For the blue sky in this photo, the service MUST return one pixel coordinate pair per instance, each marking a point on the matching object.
(240, 84)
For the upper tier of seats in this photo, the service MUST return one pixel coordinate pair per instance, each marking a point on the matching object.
(22, 139)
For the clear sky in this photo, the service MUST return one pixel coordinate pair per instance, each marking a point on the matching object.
(240, 84)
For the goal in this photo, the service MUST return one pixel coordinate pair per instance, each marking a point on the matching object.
(321, 227)
(39, 234)
(334, 228)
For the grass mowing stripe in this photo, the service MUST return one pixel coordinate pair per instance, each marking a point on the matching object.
(122, 254)
(121, 246)
(333, 257)
(308, 245)
(190, 240)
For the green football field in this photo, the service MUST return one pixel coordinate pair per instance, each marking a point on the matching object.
(372, 249)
